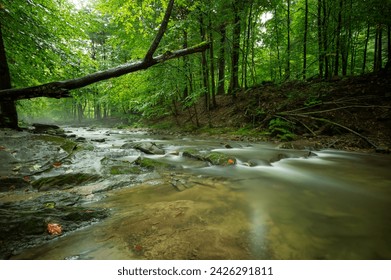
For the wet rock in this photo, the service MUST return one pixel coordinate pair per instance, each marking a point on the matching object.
(48, 129)
(194, 154)
(41, 128)
(64, 181)
(151, 164)
(258, 162)
(27, 155)
(11, 184)
(102, 140)
(128, 145)
(216, 158)
(178, 184)
(24, 224)
(149, 148)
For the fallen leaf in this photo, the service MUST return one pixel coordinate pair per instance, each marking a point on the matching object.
(26, 178)
(54, 229)
(138, 248)
(57, 164)
(231, 161)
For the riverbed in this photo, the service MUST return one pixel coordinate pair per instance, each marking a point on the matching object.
(259, 202)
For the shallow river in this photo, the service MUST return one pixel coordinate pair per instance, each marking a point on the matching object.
(271, 204)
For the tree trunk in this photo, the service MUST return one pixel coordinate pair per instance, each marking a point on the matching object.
(364, 64)
(185, 64)
(305, 41)
(247, 44)
(288, 59)
(278, 43)
(234, 83)
(61, 89)
(204, 67)
(320, 40)
(325, 41)
(388, 65)
(338, 43)
(8, 113)
(212, 64)
(221, 81)
(378, 49)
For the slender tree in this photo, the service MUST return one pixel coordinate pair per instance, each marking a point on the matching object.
(305, 40)
(8, 114)
(234, 83)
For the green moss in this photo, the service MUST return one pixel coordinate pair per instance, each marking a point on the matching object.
(66, 144)
(64, 181)
(220, 159)
(192, 153)
(151, 164)
(118, 170)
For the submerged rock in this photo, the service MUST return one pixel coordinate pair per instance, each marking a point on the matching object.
(25, 223)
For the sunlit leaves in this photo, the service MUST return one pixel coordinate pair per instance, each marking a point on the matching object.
(40, 35)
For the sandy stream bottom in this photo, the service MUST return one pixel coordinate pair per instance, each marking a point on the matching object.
(207, 221)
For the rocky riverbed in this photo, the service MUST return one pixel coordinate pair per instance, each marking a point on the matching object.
(92, 193)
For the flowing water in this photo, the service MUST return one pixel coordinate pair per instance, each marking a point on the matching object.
(271, 204)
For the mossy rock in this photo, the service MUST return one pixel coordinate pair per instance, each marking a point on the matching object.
(216, 158)
(151, 164)
(192, 153)
(66, 144)
(64, 181)
(129, 169)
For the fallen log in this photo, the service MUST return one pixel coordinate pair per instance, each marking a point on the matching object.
(61, 89)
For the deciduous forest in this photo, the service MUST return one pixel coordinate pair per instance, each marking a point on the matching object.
(248, 44)
(195, 130)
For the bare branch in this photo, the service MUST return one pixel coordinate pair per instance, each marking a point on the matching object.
(160, 33)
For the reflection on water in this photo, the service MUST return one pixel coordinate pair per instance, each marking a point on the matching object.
(273, 204)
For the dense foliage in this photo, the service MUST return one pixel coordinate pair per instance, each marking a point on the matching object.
(253, 41)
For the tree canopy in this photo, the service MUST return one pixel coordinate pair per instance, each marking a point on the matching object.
(250, 42)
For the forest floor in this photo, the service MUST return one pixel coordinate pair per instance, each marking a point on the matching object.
(349, 113)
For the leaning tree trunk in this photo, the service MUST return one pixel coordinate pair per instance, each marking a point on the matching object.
(8, 114)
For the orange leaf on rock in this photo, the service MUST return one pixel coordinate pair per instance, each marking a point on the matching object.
(54, 229)
(138, 248)
(57, 164)
(231, 161)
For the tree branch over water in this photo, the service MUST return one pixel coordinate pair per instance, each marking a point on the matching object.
(60, 89)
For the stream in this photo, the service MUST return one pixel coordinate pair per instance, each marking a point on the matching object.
(167, 197)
